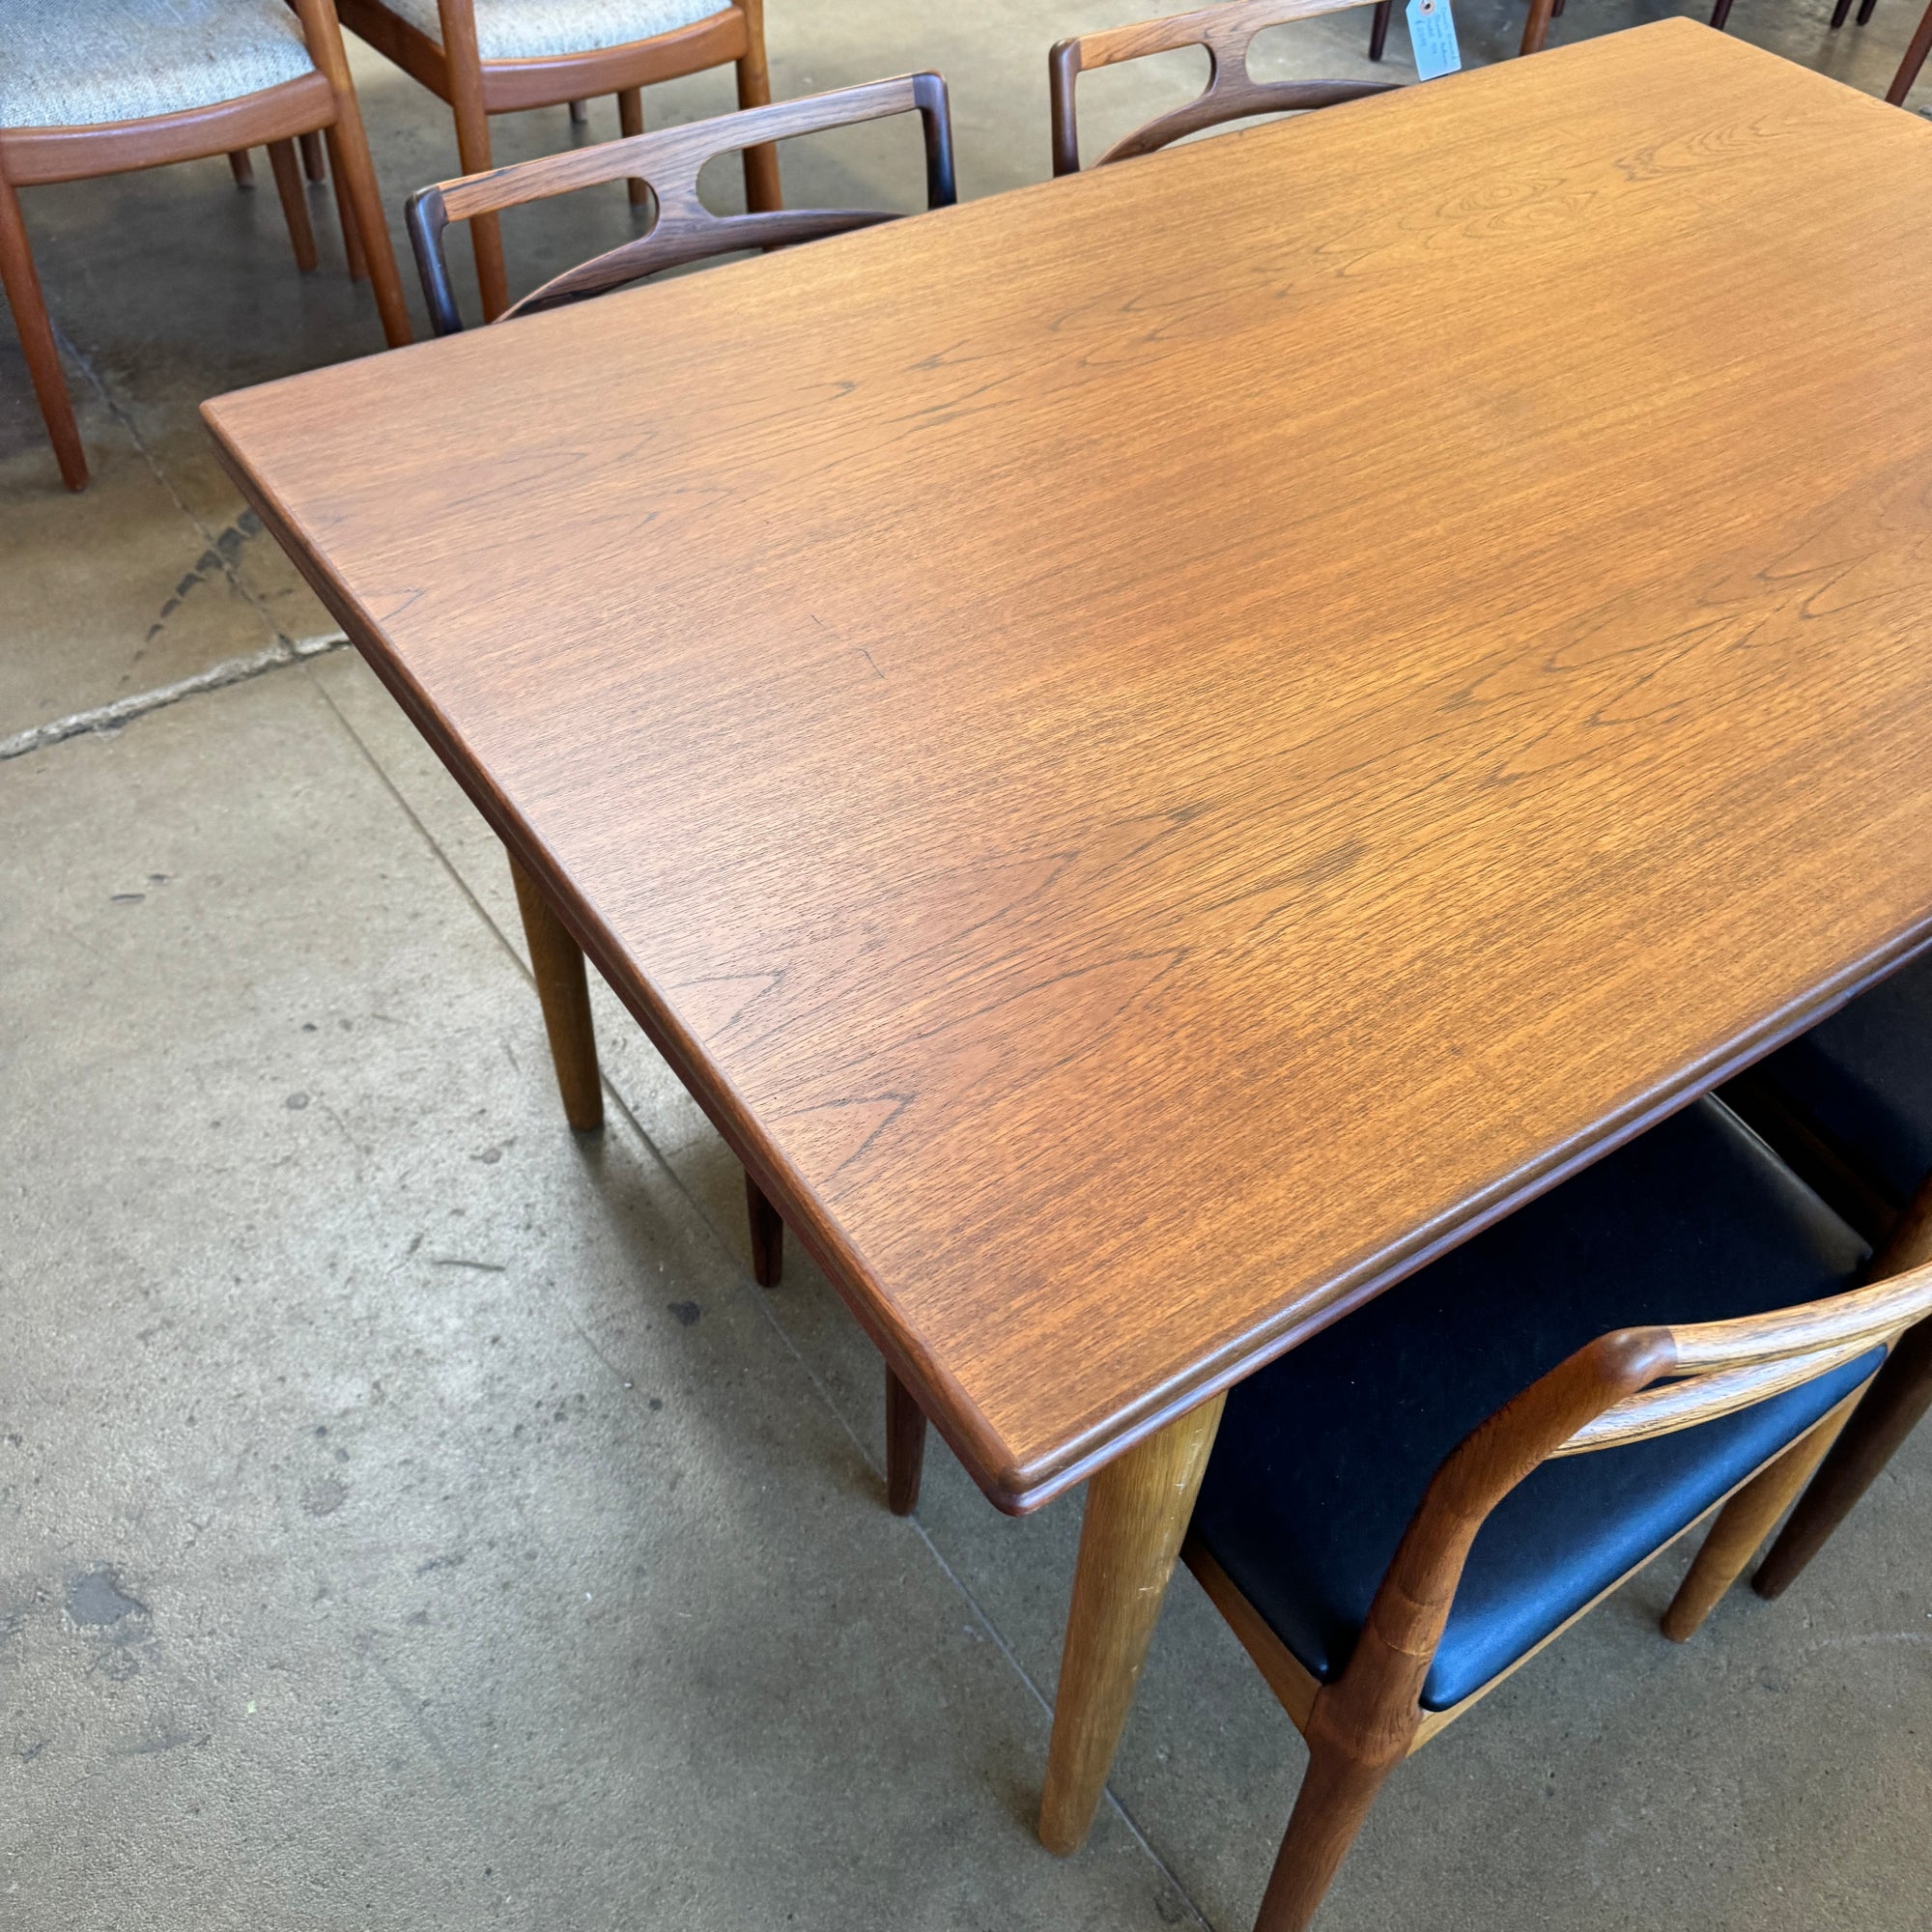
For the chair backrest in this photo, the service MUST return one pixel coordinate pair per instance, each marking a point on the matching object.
(1623, 1387)
(1232, 93)
(683, 230)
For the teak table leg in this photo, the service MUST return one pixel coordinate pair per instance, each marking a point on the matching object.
(558, 962)
(905, 1446)
(1137, 1512)
(1900, 1393)
(1742, 1524)
(768, 1237)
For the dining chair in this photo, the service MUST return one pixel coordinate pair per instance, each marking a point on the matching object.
(1536, 24)
(1401, 1512)
(1849, 1106)
(102, 87)
(488, 57)
(1232, 93)
(683, 231)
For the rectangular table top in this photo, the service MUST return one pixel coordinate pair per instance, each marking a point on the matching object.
(1160, 747)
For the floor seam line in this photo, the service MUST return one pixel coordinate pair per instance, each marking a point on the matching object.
(211, 539)
(111, 717)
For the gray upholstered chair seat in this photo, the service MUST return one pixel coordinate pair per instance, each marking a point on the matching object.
(529, 29)
(81, 63)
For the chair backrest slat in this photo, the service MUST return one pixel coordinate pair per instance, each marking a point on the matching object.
(669, 160)
(1232, 93)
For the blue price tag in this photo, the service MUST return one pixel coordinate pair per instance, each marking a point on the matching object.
(1432, 36)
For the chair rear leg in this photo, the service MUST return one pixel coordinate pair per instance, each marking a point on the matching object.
(1742, 1524)
(1719, 13)
(580, 113)
(1914, 59)
(311, 153)
(295, 202)
(1337, 1794)
(1839, 11)
(345, 209)
(630, 122)
(22, 284)
(1865, 12)
(1899, 1394)
(241, 165)
(768, 1235)
(763, 189)
(1378, 28)
(905, 1446)
(1535, 27)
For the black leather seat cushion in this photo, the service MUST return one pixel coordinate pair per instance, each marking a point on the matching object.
(1866, 1076)
(1323, 1456)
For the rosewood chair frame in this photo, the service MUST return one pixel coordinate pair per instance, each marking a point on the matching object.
(1623, 1387)
(476, 87)
(683, 231)
(320, 101)
(1915, 53)
(1232, 93)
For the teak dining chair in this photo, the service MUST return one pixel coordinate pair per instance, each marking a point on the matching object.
(488, 57)
(101, 87)
(1232, 93)
(1401, 1512)
(683, 231)
(1849, 1105)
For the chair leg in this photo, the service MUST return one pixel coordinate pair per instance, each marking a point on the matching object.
(768, 1235)
(355, 176)
(630, 122)
(1914, 59)
(1338, 1791)
(295, 202)
(464, 66)
(905, 1446)
(1742, 1524)
(1378, 28)
(580, 113)
(1555, 9)
(1536, 27)
(1899, 1394)
(345, 209)
(22, 284)
(1839, 11)
(1865, 12)
(311, 153)
(558, 962)
(763, 189)
(241, 165)
(1719, 13)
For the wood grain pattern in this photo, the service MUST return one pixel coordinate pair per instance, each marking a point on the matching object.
(1150, 791)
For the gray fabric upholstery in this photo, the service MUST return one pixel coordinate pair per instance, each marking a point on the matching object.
(80, 63)
(527, 29)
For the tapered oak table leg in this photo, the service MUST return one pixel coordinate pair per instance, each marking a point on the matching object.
(558, 961)
(1137, 1512)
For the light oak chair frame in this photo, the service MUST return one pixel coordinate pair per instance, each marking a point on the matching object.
(1232, 93)
(476, 87)
(684, 230)
(1624, 1387)
(321, 101)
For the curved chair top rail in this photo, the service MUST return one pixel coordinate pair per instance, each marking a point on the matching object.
(670, 159)
(1232, 93)
(1729, 1365)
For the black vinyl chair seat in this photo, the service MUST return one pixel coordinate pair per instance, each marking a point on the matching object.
(1322, 1457)
(1864, 1075)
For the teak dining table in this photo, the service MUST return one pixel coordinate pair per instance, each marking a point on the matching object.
(1159, 749)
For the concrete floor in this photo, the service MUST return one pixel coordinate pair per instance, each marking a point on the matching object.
(411, 1514)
